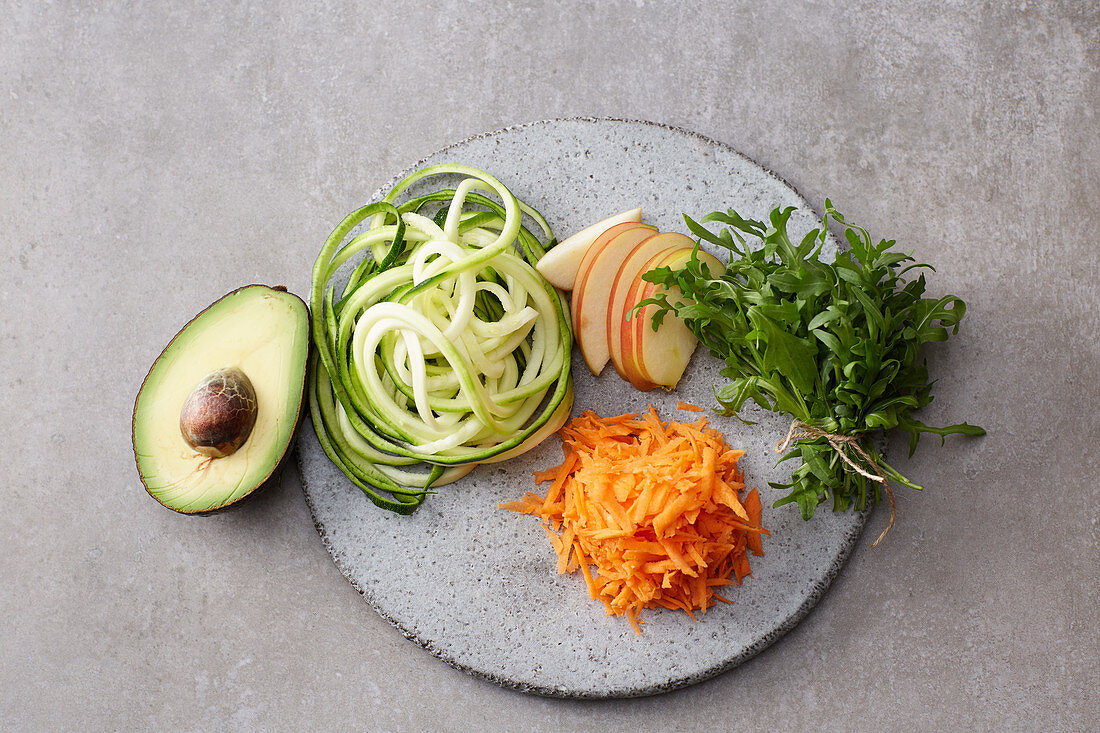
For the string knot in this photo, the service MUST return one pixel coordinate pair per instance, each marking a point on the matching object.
(838, 442)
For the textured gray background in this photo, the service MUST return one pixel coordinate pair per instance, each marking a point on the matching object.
(154, 157)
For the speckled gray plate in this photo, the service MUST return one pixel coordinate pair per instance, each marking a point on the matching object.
(477, 586)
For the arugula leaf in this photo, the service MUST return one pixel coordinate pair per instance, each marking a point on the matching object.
(835, 345)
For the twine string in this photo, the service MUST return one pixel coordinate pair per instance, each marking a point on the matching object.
(838, 441)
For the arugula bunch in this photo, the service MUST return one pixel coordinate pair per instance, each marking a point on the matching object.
(837, 346)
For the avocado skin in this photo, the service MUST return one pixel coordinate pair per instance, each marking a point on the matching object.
(245, 500)
(298, 394)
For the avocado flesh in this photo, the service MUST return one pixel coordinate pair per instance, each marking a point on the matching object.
(265, 333)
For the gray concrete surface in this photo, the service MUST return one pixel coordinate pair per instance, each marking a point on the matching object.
(155, 156)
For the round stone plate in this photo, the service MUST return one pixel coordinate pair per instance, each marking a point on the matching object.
(477, 586)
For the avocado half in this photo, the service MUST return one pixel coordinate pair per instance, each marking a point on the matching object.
(216, 413)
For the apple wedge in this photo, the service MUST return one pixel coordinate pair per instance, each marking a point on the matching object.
(658, 358)
(631, 271)
(559, 266)
(628, 364)
(595, 277)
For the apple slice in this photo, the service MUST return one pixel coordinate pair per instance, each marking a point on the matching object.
(590, 290)
(630, 271)
(658, 358)
(559, 266)
(628, 365)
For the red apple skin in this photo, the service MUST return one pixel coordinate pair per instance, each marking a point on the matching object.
(560, 265)
(632, 324)
(631, 369)
(637, 328)
(594, 280)
(597, 246)
(577, 296)
(631, 269)
(658, 358)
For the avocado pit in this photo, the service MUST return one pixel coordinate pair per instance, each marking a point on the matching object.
(219, 414)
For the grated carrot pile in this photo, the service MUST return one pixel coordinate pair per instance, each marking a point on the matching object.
(654, 506)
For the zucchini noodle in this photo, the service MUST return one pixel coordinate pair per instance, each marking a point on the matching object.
(446, 348)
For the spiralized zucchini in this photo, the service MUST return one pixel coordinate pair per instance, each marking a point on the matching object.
(445, 348)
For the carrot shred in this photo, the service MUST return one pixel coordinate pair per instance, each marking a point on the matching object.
(681, 405)
(654, 507)
(755, 509)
